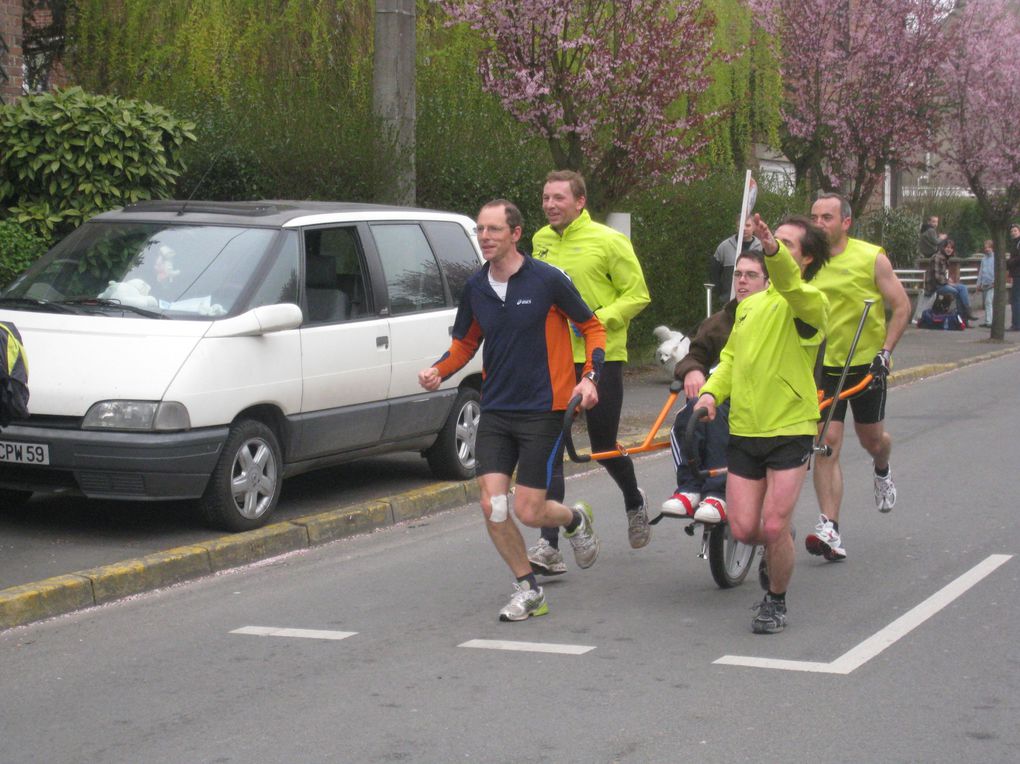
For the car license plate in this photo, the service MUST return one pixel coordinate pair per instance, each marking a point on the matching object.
(24, 453)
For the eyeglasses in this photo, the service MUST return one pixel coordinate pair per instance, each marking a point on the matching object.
(749, 275)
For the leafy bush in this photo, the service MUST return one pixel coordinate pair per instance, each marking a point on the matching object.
(896, 230)
(959, 216)
(18, 250)
(67, 155)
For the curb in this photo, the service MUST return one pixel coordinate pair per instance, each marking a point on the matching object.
(27, 603)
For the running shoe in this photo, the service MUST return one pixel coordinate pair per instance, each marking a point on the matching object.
(825, 541)
(583, 539)
(639, 532)
(770, 618)
(546, 559)
(711, 510)
(523, 604)
(885, 492)
(682, 503)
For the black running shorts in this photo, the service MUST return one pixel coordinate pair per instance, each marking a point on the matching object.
(749, 458)
(533, 443)
(868, 407)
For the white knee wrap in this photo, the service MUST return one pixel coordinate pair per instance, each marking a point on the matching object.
(500, 507)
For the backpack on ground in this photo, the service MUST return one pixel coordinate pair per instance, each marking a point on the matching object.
(13, 375)
(931, 320)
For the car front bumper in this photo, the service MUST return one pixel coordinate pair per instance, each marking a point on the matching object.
(116, 465)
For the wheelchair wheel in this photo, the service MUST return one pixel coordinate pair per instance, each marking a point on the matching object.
(729, 559)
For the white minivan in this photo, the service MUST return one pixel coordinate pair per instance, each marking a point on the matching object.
(207, 350)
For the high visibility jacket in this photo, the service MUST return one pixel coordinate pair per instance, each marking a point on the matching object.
(602, 264)
(766, 369)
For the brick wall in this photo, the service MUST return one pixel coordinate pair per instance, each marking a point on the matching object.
(10, 59)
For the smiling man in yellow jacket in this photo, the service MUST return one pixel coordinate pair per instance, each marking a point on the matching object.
(602, 264)
(766, 372)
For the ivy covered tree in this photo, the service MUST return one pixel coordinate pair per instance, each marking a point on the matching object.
(612, 86)
(861, 83)
(982, 104)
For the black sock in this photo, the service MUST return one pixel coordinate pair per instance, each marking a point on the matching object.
(528, 582)
(552, 536)
(573, 523)
(777, 597)
(882, 473)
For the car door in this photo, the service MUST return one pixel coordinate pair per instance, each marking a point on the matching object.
(345, 349)
(421, 320)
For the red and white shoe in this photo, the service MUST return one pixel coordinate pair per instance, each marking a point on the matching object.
(711, 510)
(681, 503)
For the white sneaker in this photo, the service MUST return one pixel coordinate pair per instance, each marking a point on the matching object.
(545, 559)
(711, 510)
(885, 492)
(523, 604)
(682, 503)
(825, 541)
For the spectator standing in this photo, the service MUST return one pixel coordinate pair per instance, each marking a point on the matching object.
(602, 264)
(986, 280)
(928, 242)
(720, 269)
(1013, 272)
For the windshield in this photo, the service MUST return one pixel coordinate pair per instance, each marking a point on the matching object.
(154, 269)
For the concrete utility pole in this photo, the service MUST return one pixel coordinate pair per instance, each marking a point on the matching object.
(393, 94)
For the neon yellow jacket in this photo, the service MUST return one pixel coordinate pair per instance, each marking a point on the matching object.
(602, 264)
(767, 366)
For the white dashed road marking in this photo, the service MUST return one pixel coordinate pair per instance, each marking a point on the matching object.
(273, 631)
(872, 646)
(528, 647)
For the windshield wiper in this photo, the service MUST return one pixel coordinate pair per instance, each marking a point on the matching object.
(98, 302)
(34, 303)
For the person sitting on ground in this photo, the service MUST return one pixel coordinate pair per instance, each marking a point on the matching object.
(936, 279)
(695, 496)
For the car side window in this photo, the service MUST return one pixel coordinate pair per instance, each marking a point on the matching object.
(334, 278)
(456, 254)
(410, 267)
(281, 282)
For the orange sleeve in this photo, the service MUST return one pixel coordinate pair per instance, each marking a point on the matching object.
(461, 351)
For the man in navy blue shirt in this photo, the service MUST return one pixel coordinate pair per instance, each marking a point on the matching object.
(522, 308)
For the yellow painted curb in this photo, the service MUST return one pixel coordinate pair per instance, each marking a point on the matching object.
(423, 501)
(252, 546)
(44, 599)
(341, 523)
(122, 579)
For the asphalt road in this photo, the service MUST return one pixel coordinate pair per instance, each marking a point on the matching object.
(164, 677)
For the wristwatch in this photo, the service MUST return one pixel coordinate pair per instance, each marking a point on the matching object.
(592, 376)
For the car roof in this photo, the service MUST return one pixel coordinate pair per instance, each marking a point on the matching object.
(269, 213)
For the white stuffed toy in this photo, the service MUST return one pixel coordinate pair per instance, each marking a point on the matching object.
(673, 347)
(133, 292)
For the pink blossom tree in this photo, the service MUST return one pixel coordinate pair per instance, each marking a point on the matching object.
(613, 86)
(982, 120)
(861, 80)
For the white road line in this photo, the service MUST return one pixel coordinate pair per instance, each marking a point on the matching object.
(273, 631)
(872, 646)
(529, 647)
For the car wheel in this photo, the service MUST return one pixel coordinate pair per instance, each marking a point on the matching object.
(245, 485)
(12, 498)
(452, 456)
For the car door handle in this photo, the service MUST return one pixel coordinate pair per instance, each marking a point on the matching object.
(382, 342)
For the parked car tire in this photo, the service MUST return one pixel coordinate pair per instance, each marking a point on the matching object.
(452, 456)
(246, 483)
(12, 498)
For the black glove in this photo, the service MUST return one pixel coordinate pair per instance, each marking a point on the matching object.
(880, 366)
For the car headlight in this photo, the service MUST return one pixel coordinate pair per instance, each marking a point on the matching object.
(137, 415)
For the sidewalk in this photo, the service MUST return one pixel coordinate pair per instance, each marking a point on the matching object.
(921, 353)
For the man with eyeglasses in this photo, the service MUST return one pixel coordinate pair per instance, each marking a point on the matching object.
(704, 498)
(602, 264)
(524, 310)
(858, 271)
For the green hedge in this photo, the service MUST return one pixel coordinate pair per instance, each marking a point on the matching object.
(18, 249)
(67, 155)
